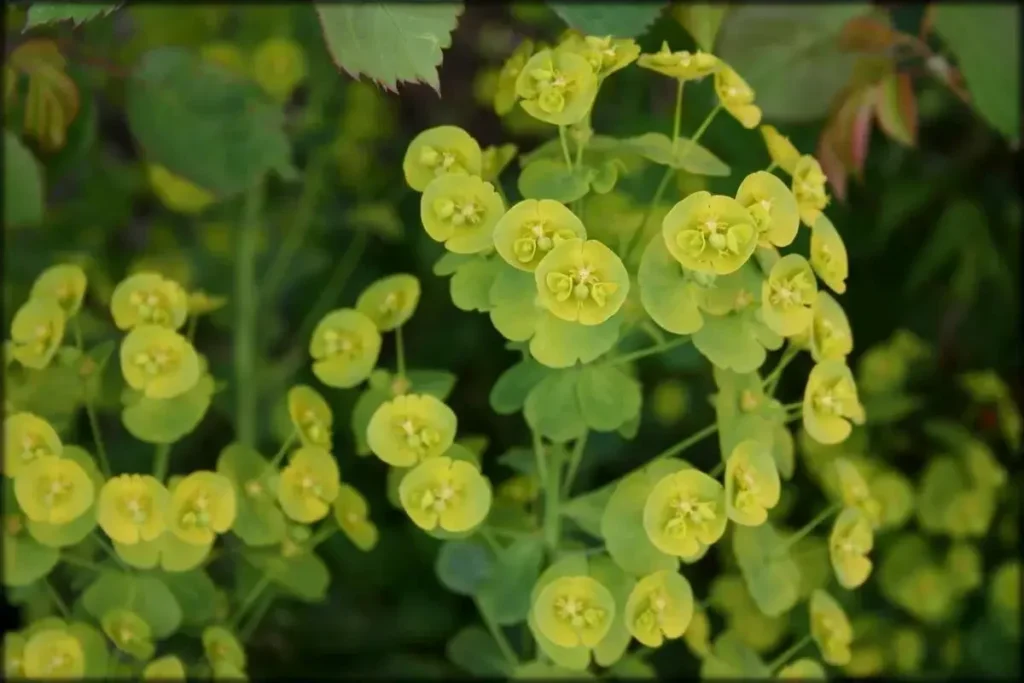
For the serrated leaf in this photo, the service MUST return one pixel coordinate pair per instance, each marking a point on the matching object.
(686, 155)
(771, 575)
(552, 408)
(475, 651)
(608, 397)
(618, 19)
(23, 184)
(147, 596)
(50, 12)
(464, 567)
(550, 179)
(390, 42)
(506, 595)
(513, 386)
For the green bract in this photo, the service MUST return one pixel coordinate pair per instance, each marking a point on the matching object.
(437, 151)
(411, 428)
(709, 233)
(830, 628)
(259, 521)
(65, 284)
(132, 508)
(310, 416)
(680, 65)
(495, 160)
(659, 607)
(752, 485)
(344, 347)
(830, 336)
(809, 189)
(36, 331)
(736, 97)
(149, 299)
(351, 513)
(53, 490)
(159, 362)
(53, 653)
(532, 228)
(505, 94)
(557, 87)
(582, 281)
(802, 669)
(828, 254)
(574, 610)
(685, 512)
(788, 295)
(222, 648)
(461, 211)
(831, 402)
(849, 544)
(390, 301)
(605, 54)
(27, 437)
(781, 150)
(129, 632)
(167, 668)
(772, 206)
(670, 293)
(202, 505)
(309, 484)
(446, 493)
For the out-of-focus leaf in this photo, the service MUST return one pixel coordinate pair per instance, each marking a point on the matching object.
(896, 108)
(50, 12)
(702, 21)
(23, 184)
(619, 19)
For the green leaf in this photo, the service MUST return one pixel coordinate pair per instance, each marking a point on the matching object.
(23, 184)
(474, 650)
(667, 296)
(513, 386)
(94, 649)
(604, 177)
(618, 19)
(730, 657)
(450, 262)
(619, 584)
(730, 343)
(506, 595)
(304, 576)
(26, 560)
(50, 12)
(552, 407)
(514, 311)
(550, 179)
(960, 222)
(166, 420)
(622, 526)
(258, 520)
(560, 344)
(146, 595)
(437, 383)
(366, 405)
(471, 284)
(390, 42)
(519, 460)
(702, 21)
(986, 42)
(608, 397)
(588, 509)
(686, 155)
(464, 567)
(200, 121)
(196, 594)
(771, 575)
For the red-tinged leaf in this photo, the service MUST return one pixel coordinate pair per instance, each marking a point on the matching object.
(872, 34)
(831, 165)
(896, 108)
(860, 134)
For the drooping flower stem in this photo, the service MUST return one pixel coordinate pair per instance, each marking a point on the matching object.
(811, 526)
(161, 461)
(574, 463)
(772, 380)
(250, 599)
(400, 352)
(790, 652)
(499, 636)
(90, 409)
(246, 307)
(563, 138)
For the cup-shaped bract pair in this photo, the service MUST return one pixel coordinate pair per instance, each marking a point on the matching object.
(28, 437)
(532, 228)
(461, 211)
(737, 97)
(390, 301)
(780, 149)
(803, 669)
(65, 284)
(831, 403)
(809, 189)
(660, 607)
(788, 296)
(345, 347)
(36, 332)
(352, 516)
(828, 254)
(129, 633)
(830, 628)
(557, 87)
(53, 490)
(278, 66)
(582, 281)
(605, 54)
(309, 484)
(682, 65)
(849, 544)
(132, 508)
(149, 299)
(411, 428)
(439, 151)
(505, 96)
(772, 206)
(445, 493)
(166, 668)
(853, 489)
(202, 505)
(829, 336)
(496, 159)
(752, 485)
(223, 650)
(685, 513)
(310, 416)
(51, 653)
(574, 610)
(159, 362)
(711, 234)
(178, 194)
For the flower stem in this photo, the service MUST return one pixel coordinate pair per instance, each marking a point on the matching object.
(649, 351)
(717, 470)
(246, 326)
(637, 238)
(247, 603)
(564, 138)
(161, 461)
(678, 448)
(400, 352)
(499, 636)
(678, 116)
(322, 534)
(193, 322)
(80, 562)
(57, 600)
(574, 463)
(784, 658)
(279, 456)
(811, 526)
(335, 285)
(90, 409)
(540, 459)
(772, 380)
(246, 631)
(771, 167)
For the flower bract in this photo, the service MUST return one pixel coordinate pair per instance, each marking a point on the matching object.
(752, 485)
(681, 65)
(532, 228)
(64, 283)
(148, 299)
(830, 628)
(411, 428)
(659, 607)
(445, 493)
(310, 416)
(344, 347)
(772, 206)
(809, 189)
(582, 281)
(36, 332)
(849, 544)
(53, 490)
(351, 513)
(26, 438)
(737, 97)
(684, 512)
(710, 234)
(159, 362)
(437, 151)
(132, 508)
(461, 211)
(557, 87)
(390, 301)
(831, 402)
(202, 506)
(309, 484)
(574, 610)
(828, 255)
(788, 295)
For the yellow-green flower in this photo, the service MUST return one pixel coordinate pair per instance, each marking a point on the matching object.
(149, 299)
(28, 437)
(225, 55)
(532, 228)
(279, 66)
(787, 296)
(831, 402)
(505, 95)
(828, 255)
(855, 492)
(557, 87)
(830, 628)
(772, 206)
(440, 150)
(848, 546)
(895, 495)
(830, 336)
(752, 485)
(310, 415)
(809, 189)
(167, 668)
(737, 97)
(711, 234)
(411, 428)
(461, 211)
(681, 65)
(965, 566)
(132, 507)
(390, 301)
(222, 647)
(659, 607)
(177, 193)
(445, 493)
(605, 54)
(129, 632)
(14, 655)
(36, 332)
(201, 303)
(53, 490)
(53, 653)
(159, 362)
(574, 610)
(496, 159)
(309, 484)
(202, 505)
(685, 512)
(64, 283)
(582, 281)
(344, 347)
(352, 515)
(803, 669)
(783, 153)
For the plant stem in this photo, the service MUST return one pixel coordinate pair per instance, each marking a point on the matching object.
(499, 636)
(678, 116)
(718, 470)
(335, 285)
(771, 167)
(784, 658)
(552, 497)
(193, 322)
(79, 562)
(563, 137)
(574, 463)
(246, 631)
(793, 405)
(700, 131)
(254, 593)
(811, 525)
(246, 327)
(488, 536)
(772, 380)
(649, 351)
(637, 238)
(276, 460)
(541, 460)
(686, 443)
(400, 352)
(161, 461)
(57, 600)
(322, 534)
(110, 551)
(90, 410)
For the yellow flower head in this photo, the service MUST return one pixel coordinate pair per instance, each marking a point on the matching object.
(279, 66)
(781, 150)
(310, 415)
(461, 211)
(855, 492)
(809, 189)
(685, 512)
(222, 647)
(159, 362)
(440, 150)
(505, 96)
(532, 228)
(848, 546)
(752, 485)
(201, 303)
(445, 493)
(788, 295)
(53, 490)
(225, 55)
(830, 628)
(772, 206)
(659, 607)
(64, 283)
(711, 234)
(167, 668)
(737, 97)
(309, 484)
(129, 632)
(36, 332)
(830, 335)
(53, 653)
(148, 299)
(803, 669)
(344, 347)
(828, 255)
(606, 54)
(831, 402)
(28, 437)
(351, 513)
(557, 87)
(132, 507)
(411, 428)
(495, 160)
(574, 610)
(681, 65)
(582, 281)
(202, 505)
(14, 655)
(177, 193)
(390, 301)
